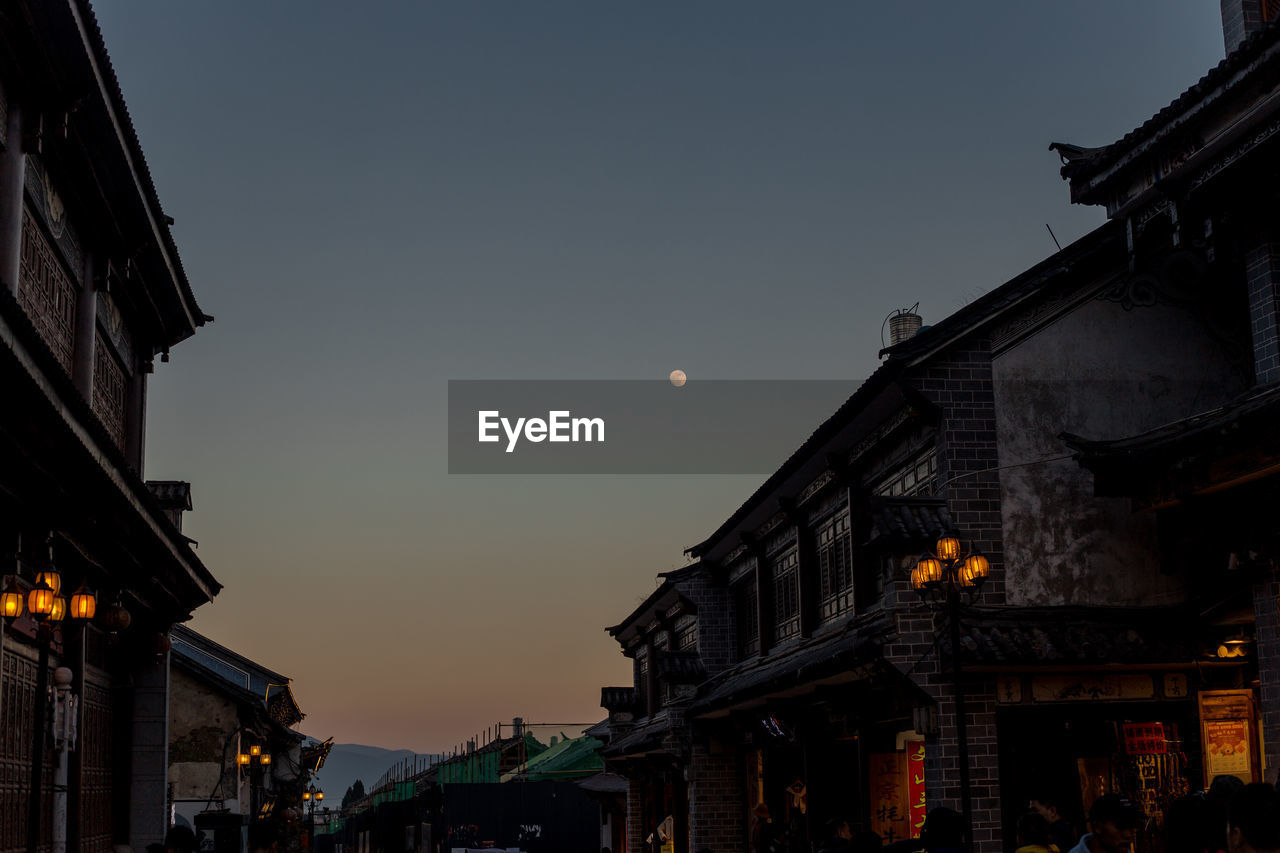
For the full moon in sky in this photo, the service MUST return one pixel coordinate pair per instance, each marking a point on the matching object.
(678, 378)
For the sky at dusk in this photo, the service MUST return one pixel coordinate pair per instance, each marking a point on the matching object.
(373, 199)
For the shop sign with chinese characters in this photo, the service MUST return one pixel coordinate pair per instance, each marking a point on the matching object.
(898, 792)
(1227, 734)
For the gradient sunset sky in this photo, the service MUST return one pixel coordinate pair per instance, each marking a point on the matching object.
(376, 198)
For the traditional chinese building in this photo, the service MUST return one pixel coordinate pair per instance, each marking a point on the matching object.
(91, 291)
(1102, 428)
(233, 748)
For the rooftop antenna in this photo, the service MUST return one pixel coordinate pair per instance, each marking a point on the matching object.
(1055, 239)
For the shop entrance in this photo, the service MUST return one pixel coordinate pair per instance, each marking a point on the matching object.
(1146, 751)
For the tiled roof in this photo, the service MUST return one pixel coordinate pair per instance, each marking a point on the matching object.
(1259, 406)
(1074, 636)
(911, 519)
(648, 737)
(118, 105)
(1084, 163)
(808, 660)
(614, 699)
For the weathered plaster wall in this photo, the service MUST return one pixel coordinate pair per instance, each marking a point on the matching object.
(200, 720)
(1101, 372)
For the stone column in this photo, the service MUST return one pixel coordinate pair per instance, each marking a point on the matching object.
(149, 776)
(12, 170)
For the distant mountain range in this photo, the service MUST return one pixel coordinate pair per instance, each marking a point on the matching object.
(348, 762)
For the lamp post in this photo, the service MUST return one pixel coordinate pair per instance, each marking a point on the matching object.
(254, 763)
(941, 579)
(311, 796)
(47, 608)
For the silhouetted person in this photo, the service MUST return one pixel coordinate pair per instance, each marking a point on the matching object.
(943, 831)
(180, 839)
(1033, 834)
(1194, 825)
(1113, 823)
(838, 837)
(866, 841)
(263, 838)
(1050, 806)
(1253, 820)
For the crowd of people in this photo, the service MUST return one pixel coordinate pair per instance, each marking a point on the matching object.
(1229, 817)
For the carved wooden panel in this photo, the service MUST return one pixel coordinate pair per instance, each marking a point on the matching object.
(95, 747)
(46, 291)
(17, 737)
(109, 390)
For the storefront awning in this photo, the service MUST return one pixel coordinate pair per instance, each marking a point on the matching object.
(848, 655)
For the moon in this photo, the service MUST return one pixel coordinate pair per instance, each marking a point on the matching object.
(678, 378)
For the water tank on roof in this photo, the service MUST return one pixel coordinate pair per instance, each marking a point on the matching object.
(903, 323)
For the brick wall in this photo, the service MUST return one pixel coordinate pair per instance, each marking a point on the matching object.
(716, 807)
(1262, 274)
(635, 813)
(716, 637)
(913, 653)
(1266, 610)
(960, 383)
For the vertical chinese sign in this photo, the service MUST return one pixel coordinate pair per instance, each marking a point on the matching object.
(889, 809)
(915, 786)
(897, 792)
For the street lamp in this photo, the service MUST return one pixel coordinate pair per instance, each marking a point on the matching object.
(47, 609)
(941, 579)
(254, 762)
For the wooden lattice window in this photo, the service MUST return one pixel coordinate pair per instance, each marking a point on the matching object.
(17, 702)
(96, 769)
(835, 567)
(786, 595)
(748, 617)
(916, 476)
(687, 636)
(109, 390)
(47, 291)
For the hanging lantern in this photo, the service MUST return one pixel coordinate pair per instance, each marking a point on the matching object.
(255, 750)
(319, 796)
(84, 604)
(306, 795)
(948, 548)
(265, 758)
(59, 611)
(243, 759)
(115, 617)
(11, 600)
(928, 573)
(40, 601)
(51, 579)
(975, 570)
